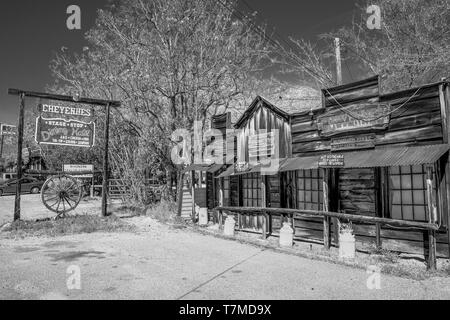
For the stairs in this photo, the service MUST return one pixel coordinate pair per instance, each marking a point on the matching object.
(186, 208)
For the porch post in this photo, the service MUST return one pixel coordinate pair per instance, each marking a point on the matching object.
(326, 220)
(431, 201)
(263, 205)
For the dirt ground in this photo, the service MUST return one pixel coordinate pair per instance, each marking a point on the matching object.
(32, 208)
(160, 261)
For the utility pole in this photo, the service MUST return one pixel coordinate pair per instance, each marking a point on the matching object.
(337, 45)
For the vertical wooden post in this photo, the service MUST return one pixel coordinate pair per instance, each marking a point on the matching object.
(337, 46)
(105, 181)
(1, 144)
(326, 220)
(180, 192)
(432, 219)
(378, 236)
(19, 157)
(263, 205)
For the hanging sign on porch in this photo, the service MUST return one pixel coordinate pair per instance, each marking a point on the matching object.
(332, 161)
(63, 132)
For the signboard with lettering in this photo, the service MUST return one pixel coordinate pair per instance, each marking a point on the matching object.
(6, 129)
(353, 142)
(65, 110)
(82, 168)
(65, 132)
(358, 117)
(332, 161)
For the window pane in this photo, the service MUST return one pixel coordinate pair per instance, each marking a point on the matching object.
(417, 169)
(420, 213)
(315, 173)
(408, 212)
(396, 212)
(406, 182)
(396, 199)
(407, 197)
(315, 184)
(395, 182)
(394, 170)
(419, 197)
(405, 170)
(308, 184)
(301, 184)
(418, 182)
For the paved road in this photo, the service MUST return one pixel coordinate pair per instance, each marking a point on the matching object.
(167, 263)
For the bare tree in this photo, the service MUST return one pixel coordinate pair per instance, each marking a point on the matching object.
(170, 62)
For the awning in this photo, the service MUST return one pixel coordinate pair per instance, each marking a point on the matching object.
(255, 169)
(204, 167)
(301, 163)
(388, 157)
(394, 157)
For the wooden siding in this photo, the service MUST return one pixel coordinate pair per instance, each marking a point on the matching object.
(263, 118)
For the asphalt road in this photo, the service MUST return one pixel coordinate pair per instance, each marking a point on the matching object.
(167, 263)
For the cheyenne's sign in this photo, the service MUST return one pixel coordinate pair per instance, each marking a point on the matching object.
(64, 110)
(370, 117)
(65, 132)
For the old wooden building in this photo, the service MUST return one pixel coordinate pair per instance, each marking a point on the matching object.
(378, 160)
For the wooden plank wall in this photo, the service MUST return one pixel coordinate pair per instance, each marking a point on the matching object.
(416, 120)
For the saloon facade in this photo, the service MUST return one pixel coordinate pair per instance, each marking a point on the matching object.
(377, 155)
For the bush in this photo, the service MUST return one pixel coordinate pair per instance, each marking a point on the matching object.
(164, 211)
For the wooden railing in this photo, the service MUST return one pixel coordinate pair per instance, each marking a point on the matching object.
(267, 213)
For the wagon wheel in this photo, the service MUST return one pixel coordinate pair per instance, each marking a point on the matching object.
(61, 194)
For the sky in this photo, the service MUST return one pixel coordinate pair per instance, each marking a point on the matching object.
(32, 31)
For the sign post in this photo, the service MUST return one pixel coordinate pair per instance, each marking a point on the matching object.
(64, 110)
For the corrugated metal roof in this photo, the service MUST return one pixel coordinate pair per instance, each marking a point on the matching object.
(393, 157)
(389, 157)
(301, 163)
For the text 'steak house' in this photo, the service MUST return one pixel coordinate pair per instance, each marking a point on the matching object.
(378, 160)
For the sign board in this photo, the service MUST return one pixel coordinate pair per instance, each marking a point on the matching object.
(6, 129)
(370, 117)
(65, 110)
(353, 142)
(74, 168)
(63, 132)
(332, 161)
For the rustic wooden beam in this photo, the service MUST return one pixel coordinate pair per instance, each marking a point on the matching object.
(326, 219)
(19, 157)
(378, 236)
(264, 205)
(352, 217)
(431, 204)
(59, 97)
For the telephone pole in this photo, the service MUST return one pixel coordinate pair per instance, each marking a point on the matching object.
(337, 45)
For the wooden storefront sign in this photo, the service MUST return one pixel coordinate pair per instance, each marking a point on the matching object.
(358, 117)
(79, 170)
(65, 132)
(353, 142)
(6, 129)
(332, 161)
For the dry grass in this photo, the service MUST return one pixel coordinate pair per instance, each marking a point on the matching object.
(164, 211)
(65, 226)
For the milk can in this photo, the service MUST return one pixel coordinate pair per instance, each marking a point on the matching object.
(347, 244)
(203, 217)
(286, 235)
(229, 226)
